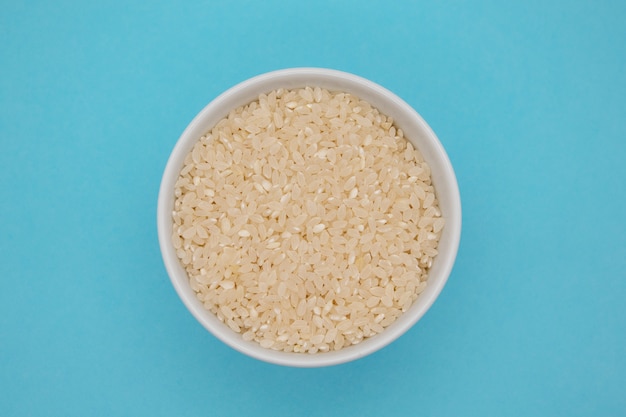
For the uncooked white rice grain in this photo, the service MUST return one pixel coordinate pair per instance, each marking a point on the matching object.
(306, 221)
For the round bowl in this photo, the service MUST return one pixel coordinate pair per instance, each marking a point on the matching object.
(416, 131)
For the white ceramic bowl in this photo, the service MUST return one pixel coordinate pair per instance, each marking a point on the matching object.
(415, 129)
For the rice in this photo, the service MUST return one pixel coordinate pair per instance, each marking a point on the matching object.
(306, 221)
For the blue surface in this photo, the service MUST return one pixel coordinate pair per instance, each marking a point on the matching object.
(529, 99)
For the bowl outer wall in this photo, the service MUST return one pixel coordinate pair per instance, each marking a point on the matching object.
(416, 130)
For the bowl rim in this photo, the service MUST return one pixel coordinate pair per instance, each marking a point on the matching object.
(402, 113)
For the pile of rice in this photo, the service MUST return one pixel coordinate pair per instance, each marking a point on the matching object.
(306, 221)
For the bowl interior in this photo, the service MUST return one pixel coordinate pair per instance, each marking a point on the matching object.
(416, 131)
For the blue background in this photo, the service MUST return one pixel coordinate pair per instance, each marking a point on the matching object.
(528, 97)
